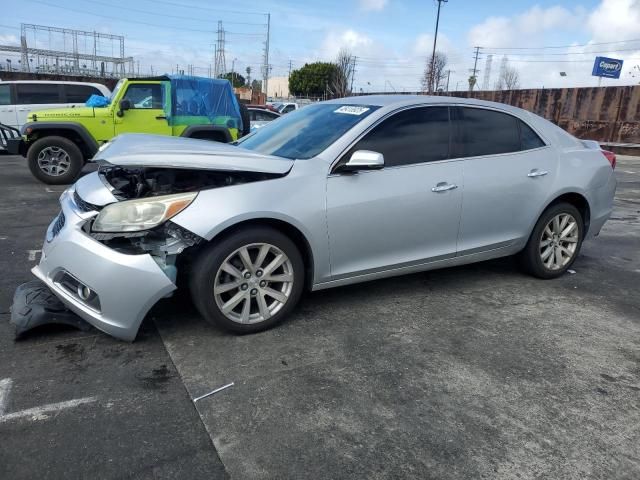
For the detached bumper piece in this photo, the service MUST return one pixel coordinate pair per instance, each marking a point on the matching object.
(34, 305)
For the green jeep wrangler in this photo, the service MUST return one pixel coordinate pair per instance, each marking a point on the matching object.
(58, 142)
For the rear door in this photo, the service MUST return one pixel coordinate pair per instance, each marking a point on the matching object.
(146, 114)
(508, 175)
(36, 96)
(7, 106)
(405, 214)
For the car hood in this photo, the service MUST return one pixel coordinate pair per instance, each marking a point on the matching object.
(138, 150)
(67, 113)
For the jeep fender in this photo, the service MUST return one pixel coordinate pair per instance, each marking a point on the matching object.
(88, 144)
(208, 132)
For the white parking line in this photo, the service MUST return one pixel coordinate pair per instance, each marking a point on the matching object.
(5, 388)
(40, 413)
(33, 254)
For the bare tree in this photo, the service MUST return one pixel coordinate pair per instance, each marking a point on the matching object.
(509, 79)
(436, 80)
(340, 84)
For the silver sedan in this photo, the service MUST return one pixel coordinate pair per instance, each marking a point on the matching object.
(338, 192)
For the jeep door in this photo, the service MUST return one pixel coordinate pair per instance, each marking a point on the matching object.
(146, 113)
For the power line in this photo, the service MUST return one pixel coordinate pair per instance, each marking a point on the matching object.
(565, 46)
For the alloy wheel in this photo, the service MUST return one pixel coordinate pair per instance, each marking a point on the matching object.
(54, 161)
(559, 241)
(253, 283)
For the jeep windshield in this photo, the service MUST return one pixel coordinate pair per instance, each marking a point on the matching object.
(306, 132)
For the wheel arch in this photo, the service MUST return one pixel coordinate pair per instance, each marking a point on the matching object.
(208, 132)
(577, 200)
(288, 229)
(76, 133)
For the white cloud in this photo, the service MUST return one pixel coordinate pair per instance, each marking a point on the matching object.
(373, 5)
(525, 28)
(615, 20)
(8, 40)
(355, 42)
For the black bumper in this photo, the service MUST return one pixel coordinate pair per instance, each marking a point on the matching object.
(15, 146)
(11, 140)
(34, 305)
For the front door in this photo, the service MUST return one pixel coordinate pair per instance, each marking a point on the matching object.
(406, 213)
(508, 174)
(146, 114)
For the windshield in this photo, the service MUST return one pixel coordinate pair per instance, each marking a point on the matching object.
(116, 89)
(306, 132)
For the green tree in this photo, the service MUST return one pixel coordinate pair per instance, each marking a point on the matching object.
(314, 79)
(256, 85)
(235, 78)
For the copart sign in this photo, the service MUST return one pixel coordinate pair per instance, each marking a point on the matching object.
(607, 67)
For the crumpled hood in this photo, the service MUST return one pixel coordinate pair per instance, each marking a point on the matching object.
(61, 113)
(139, 150)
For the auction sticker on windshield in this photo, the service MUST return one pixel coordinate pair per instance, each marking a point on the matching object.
(351, 110)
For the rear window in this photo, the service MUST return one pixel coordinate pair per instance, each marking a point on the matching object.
(80, 93)
(487, 132)
(37, 93)
(528, 137)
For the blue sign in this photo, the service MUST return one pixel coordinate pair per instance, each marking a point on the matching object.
(607, 67)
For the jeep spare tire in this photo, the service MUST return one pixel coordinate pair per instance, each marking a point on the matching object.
(55, 160)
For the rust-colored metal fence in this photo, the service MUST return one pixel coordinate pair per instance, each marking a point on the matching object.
(605, 114)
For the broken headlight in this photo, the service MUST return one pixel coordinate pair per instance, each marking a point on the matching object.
(141, 214)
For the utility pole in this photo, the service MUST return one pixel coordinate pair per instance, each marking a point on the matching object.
(448, 76)
(433, 54)
(265, 72)
(353, 72)
(220, 67)
(289, 68)
(474, 72)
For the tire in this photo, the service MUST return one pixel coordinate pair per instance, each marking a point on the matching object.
(58, 150)
(213, 288)
(551, 266)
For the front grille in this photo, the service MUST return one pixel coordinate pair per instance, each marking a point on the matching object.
(57, 225)
(82, 205)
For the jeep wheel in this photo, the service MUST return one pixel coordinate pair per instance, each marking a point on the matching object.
(55, 160)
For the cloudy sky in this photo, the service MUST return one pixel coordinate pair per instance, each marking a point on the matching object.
(391, 38)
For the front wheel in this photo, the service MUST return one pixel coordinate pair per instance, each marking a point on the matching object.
(249, 281)
(55, 160)
(554, 243)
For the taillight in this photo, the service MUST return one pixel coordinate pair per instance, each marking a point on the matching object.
(611, 157)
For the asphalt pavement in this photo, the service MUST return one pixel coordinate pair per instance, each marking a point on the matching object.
(470, 372)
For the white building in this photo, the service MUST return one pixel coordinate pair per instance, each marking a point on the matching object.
(278, 87)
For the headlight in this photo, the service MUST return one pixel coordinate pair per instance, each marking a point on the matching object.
(141, 214)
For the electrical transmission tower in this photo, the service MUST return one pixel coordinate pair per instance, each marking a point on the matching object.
(220, 64)
(487, 73)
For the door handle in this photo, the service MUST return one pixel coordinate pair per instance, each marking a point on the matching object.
(161, 117)
(443, 187)
(537, 173)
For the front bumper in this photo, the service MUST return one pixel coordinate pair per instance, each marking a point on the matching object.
(124, 287)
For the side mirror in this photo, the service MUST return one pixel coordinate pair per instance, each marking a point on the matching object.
(124, 105)
(363, 160)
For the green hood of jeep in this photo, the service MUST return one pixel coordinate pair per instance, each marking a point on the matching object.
(67, 114)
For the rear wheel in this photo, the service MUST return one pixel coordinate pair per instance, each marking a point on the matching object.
(555, 242)
(249, 281)
(55, 160)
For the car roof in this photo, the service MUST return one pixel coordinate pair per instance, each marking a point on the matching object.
(404, 100)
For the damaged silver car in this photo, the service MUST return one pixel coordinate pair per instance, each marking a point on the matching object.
(338, 192)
